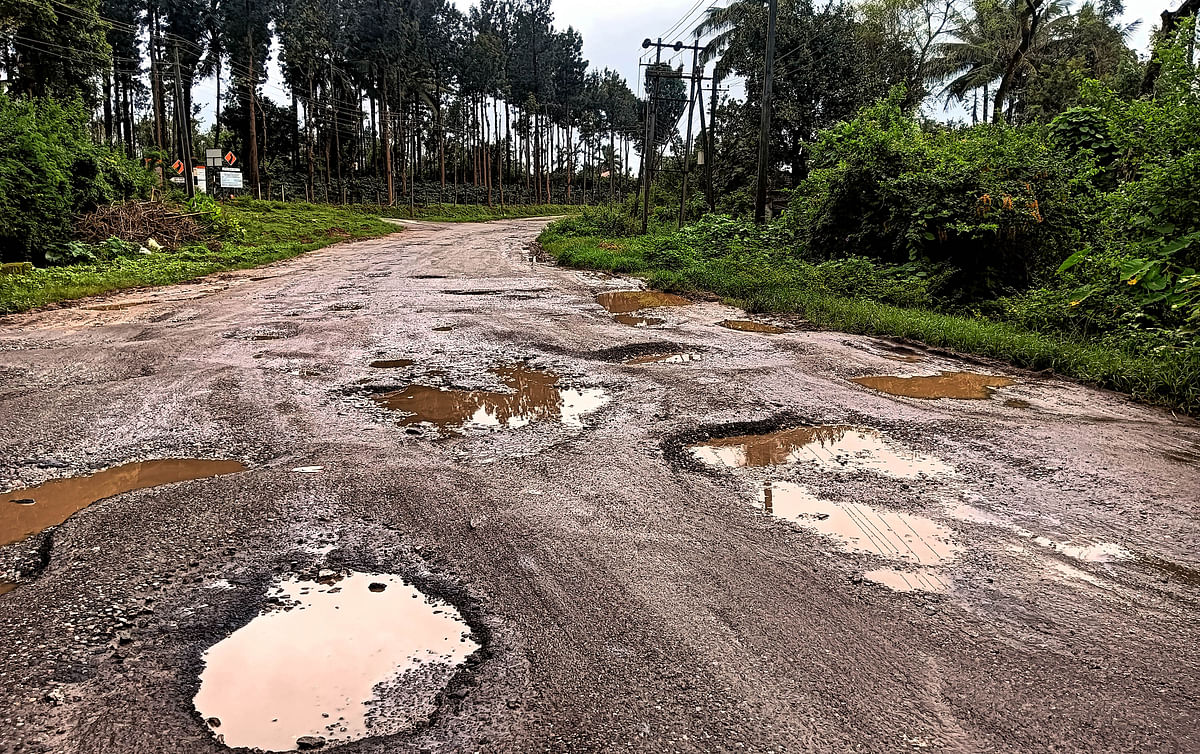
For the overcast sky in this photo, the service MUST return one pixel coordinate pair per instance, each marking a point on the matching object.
(613, 31)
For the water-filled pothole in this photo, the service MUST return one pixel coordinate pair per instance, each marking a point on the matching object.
(830, 448)
(960, 385)
(664, 358)
(916, 580)
(625, 302)
(533, 395)
(312, 669)
(746, 325)
(858, 527)
(633, 320)
(55, 501)
(391, 363)
(6, 587)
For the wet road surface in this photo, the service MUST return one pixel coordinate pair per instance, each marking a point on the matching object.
(740, 550)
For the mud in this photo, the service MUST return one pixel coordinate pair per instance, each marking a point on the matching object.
(666, 358)
(392, 363)
(311, 666)
(861, 528)
(919, 580)
(28, 511)
(6, 587)
(959, 385)
(745, 325)
(531, 396)
(831, 448)
(626, 302)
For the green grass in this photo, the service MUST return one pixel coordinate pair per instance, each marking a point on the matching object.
(477, 213)
(274, 231)
(1172, 379)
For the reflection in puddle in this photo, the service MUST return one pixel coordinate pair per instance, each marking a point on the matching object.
(665, 358)
(533, 396)
(312, 668)
(746, 325)
(858, 527)
(624, 302)
(55, 501)
(961, 385)
(919, 580)
(831, 448)
(635, 321)
(391, 363)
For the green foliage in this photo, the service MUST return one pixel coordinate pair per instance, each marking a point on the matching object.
(607, 221)
(996, 203)
(49, 171)
(219, 223)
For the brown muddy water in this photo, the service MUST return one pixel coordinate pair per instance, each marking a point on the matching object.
(862, 528)
(55, 501)
(391, 363)
(634, 320)
(532, 395)
(745, 325)
(664, 358)
(625, 302)
(832, 448)
(960, 385)
(314, 667)
(6, 587)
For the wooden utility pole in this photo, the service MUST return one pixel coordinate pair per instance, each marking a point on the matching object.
(185, 127)
(764, 128)
(250, 100)
(650, 135)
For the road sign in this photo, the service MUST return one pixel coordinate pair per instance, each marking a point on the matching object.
(231, 179)
(230, 158)
(178, 166)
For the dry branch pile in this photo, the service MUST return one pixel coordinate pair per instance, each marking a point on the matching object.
(139, 222)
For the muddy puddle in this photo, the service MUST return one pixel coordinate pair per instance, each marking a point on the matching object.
(861, 528)
(6, 587)
(960, 385)
(746, 325)
(1093, 552)
(532, 395)
(318, 669)
(664, 358)
(28, 511)
(634, 320)
(626, 302)
(391, 363)
(444, 328)
(830, 448)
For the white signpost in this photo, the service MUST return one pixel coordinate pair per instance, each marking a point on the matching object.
(231, 179)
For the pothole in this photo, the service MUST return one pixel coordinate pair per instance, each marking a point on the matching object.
(746, 325)
(391, 363)
(6, 587)
(308, 673)
(533, 395)
(960, 385)
(862, 528)
(444, 328)
(633, 320)
(625, 302)
(264, 332)
(28, 511)
(831, 448)
(1094, 552)
(664, 358)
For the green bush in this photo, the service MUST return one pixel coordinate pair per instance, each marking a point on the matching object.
(51, 170)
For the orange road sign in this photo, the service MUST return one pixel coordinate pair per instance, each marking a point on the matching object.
(230, 158)
(178, 166)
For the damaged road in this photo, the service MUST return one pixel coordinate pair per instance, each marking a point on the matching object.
(638, 529)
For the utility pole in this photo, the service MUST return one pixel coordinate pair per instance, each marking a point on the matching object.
(711, 150)
(764, 129)
(185, 128)
(253, 117)
(648, 142)
(687, 151)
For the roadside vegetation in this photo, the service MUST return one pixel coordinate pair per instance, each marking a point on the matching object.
(235, 235)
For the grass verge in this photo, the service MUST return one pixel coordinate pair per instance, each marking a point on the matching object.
(274, 231)
(477, 213)
(1170, 379)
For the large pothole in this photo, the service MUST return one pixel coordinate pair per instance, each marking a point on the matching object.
(338, 659)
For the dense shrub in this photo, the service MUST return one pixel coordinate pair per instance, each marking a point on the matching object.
(51, 170)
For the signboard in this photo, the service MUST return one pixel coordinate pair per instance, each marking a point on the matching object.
(231, 179)
(199, 178)
(230, 158)
(178, 166)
